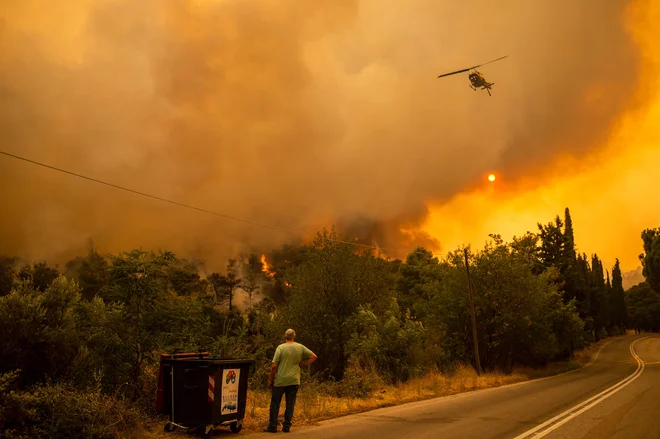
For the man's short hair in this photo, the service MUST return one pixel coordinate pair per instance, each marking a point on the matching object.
(290, 334)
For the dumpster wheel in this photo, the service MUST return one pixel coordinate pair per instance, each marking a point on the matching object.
(207, 431)
(236, 427)
(169, 427)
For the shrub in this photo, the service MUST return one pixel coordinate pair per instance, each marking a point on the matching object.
(38, 330)
(58, 410)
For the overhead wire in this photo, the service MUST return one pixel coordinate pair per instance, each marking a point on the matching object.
(200, 209)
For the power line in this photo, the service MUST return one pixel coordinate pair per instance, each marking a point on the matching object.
(222, 215)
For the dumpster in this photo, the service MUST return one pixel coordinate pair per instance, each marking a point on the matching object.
(199, 392)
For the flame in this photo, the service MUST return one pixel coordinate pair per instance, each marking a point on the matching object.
(265, 267)
(287, 284)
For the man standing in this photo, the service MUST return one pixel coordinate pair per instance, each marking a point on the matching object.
(285, 378)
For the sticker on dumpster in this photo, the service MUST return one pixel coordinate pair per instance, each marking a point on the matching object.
(230, 391)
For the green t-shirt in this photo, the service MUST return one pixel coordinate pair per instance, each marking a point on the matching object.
(288, 357)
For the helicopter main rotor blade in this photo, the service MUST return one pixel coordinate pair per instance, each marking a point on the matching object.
(490, 62)
(457, 71)
(473, 67)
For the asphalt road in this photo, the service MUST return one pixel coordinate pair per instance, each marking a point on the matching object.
(633, 412)
(616, 396)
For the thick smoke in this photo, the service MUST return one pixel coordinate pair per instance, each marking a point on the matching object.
(288, 112)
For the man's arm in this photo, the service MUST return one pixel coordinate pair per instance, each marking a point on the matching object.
(273, 366)
(273, 372)
(312, 358)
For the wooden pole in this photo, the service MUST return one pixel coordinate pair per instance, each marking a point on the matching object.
(475, 339)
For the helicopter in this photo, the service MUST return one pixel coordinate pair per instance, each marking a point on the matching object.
(477, 79)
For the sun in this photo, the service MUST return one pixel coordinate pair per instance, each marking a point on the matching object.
(491, 177)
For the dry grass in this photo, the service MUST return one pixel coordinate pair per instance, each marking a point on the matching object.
(313, 406)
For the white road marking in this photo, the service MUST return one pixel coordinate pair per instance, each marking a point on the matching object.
(562, 418)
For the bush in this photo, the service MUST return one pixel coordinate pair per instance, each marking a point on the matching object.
(360, 381)
(388, 343)
(58, 410)
(38, 330)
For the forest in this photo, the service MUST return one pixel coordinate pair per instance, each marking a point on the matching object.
(80, 344)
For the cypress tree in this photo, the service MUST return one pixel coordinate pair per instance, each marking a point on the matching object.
(597, 296)
(608, 308)
(569, 238)
(618, 298)
(583, 285)
(568, 267)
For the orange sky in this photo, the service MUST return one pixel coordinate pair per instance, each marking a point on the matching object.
(300, 114)
(613, 194)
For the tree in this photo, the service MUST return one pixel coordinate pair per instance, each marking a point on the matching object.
(252, 277)
(393, 343)
(232, 281)
(643, 305)
(569, 238)
(568, 268)
(617, 298)
(552, 243)
(216, 280)
(558, 250)
(583, 286)
(418, 279)
(608, 311)
(7, 274)
(520, 311)
(598, 297)
(526, 247)
(40, 275)
(521, 318)
(651, 257)
(138, 284)
(327, 290)
(184, 278)
(565, 322)
(92, 273)
(38, 330)
(224, 286)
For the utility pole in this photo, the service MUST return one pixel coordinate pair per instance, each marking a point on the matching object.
(474, 320)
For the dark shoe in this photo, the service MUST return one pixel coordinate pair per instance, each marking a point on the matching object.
(286, 429)
(270, 430)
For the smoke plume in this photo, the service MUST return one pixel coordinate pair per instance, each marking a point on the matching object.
(293, 113)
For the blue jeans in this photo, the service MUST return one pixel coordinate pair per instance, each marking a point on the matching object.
(275, 401)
